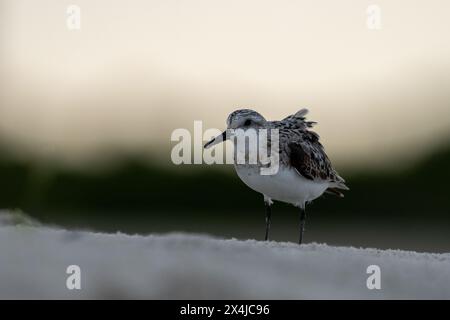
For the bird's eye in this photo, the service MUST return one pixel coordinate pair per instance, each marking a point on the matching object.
(247, 122)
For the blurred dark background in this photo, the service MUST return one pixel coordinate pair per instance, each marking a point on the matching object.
(391, 209)
(86, 115)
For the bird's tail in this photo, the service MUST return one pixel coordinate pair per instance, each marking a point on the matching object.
(336, 186)
(334, 191)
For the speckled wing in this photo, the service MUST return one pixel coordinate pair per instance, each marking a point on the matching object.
(309, 160)
(305, 153)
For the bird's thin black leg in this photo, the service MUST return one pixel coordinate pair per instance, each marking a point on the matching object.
(268, 217)
(302, 224)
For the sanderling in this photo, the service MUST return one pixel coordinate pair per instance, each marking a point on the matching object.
(305, 171)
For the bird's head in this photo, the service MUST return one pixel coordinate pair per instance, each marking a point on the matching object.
(240, 119)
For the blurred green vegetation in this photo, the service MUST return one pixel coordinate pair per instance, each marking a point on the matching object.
(136, 189)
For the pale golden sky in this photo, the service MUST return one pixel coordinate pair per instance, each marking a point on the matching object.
(137, 70)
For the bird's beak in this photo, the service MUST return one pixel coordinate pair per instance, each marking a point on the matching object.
(220, 138)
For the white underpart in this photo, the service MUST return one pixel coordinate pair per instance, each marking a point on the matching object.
(286, 186)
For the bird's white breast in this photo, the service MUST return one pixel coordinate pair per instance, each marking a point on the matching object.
(286, 185)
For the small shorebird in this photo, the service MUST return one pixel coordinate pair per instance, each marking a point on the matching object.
(305, 172)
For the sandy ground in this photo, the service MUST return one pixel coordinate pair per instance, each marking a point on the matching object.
(34, 261)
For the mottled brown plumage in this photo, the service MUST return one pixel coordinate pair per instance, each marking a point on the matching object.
(300, 148)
